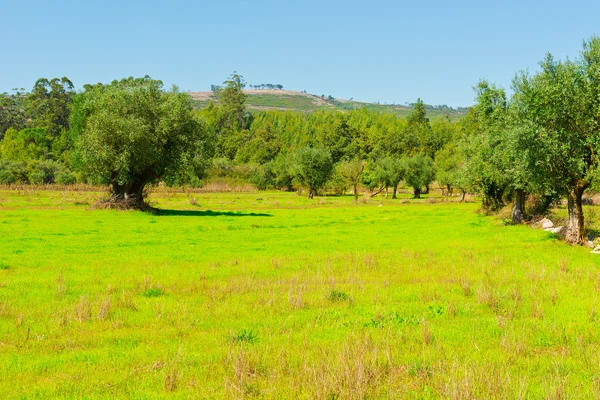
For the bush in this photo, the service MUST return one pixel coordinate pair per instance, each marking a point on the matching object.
(36, 178)
(6, 177)
(65, 178)
(12, 172)
(41, 172)
(263, 177)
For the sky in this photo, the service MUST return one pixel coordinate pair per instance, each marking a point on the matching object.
(374, 51)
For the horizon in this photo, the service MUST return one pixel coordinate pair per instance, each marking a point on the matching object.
(388, 53)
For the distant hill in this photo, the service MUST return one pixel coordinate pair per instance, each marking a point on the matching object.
(299, 101)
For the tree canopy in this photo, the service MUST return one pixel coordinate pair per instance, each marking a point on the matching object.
(131, 133)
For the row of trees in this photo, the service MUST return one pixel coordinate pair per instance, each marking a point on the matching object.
(541, 142)
(544, 140)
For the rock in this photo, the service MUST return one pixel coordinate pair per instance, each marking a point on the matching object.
(590, 244)
(560, 231)
(547, 224)
(596, 250)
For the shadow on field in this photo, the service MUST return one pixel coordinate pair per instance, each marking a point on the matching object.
(207, 213)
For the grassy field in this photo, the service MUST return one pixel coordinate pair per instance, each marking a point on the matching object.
(270, 295)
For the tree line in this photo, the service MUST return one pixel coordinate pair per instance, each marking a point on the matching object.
(540, 144)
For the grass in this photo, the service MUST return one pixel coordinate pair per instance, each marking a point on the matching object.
(292, 102)
(283, 297)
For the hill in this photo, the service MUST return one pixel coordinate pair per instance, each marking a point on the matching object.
(292, 100)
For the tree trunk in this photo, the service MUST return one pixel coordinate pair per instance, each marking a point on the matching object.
(518, 211)
(464, 193)
(395, 191)
(130, 194)
(386, 192)
(311, 193)
(355, 193)
(426, 191)
(417, 193)
(576, 231)
(377, 192)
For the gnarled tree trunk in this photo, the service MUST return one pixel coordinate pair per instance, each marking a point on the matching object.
(576, 231)
(518, 211)
(130, 194)
(417, 194)
(395, 192)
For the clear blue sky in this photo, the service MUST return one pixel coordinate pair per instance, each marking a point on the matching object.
(387, 51)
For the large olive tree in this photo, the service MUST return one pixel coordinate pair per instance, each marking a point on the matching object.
(559, 109)
(132, 132)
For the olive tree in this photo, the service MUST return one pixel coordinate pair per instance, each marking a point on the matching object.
(559, 108)
(351, 172)
(131, 133)
(312, 168)
(419, 171)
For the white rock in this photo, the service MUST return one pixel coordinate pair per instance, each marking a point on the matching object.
(559, 230)
(547, 224)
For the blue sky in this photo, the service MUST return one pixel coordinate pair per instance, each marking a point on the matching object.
(387, 51)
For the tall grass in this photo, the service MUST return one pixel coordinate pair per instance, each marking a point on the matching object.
(289, 298)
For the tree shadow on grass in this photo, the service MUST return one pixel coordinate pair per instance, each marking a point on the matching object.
(207, 213)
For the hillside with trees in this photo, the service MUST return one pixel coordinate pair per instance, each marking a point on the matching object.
(264, 98)
(531, 150)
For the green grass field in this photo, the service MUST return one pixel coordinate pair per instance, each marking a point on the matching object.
(270, 295)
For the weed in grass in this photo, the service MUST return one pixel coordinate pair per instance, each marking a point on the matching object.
(451, 310)
(244, 336)
(126, 301)
(61, 287)
(466, 288)
(563, 264)
(171, 376)
(104, 309)
(153, 292)
(3, 265)
(83, 310)
(337, 296)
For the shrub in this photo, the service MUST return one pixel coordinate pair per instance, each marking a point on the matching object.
(6, 177)
(36, 177)
(65, 178)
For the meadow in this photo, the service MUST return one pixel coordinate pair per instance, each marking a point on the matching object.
(272, 295)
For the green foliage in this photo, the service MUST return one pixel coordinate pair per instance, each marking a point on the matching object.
(338, 296)
(351, 173)
(244, 336)
(232, 101)
(419, 172)
(49, 104)
(12, 113)
(132, 133)
(12, 172)
(450, 168)
(485, 146)
(312, 168)
(153, 292)
(26, 144)
(65, 178)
